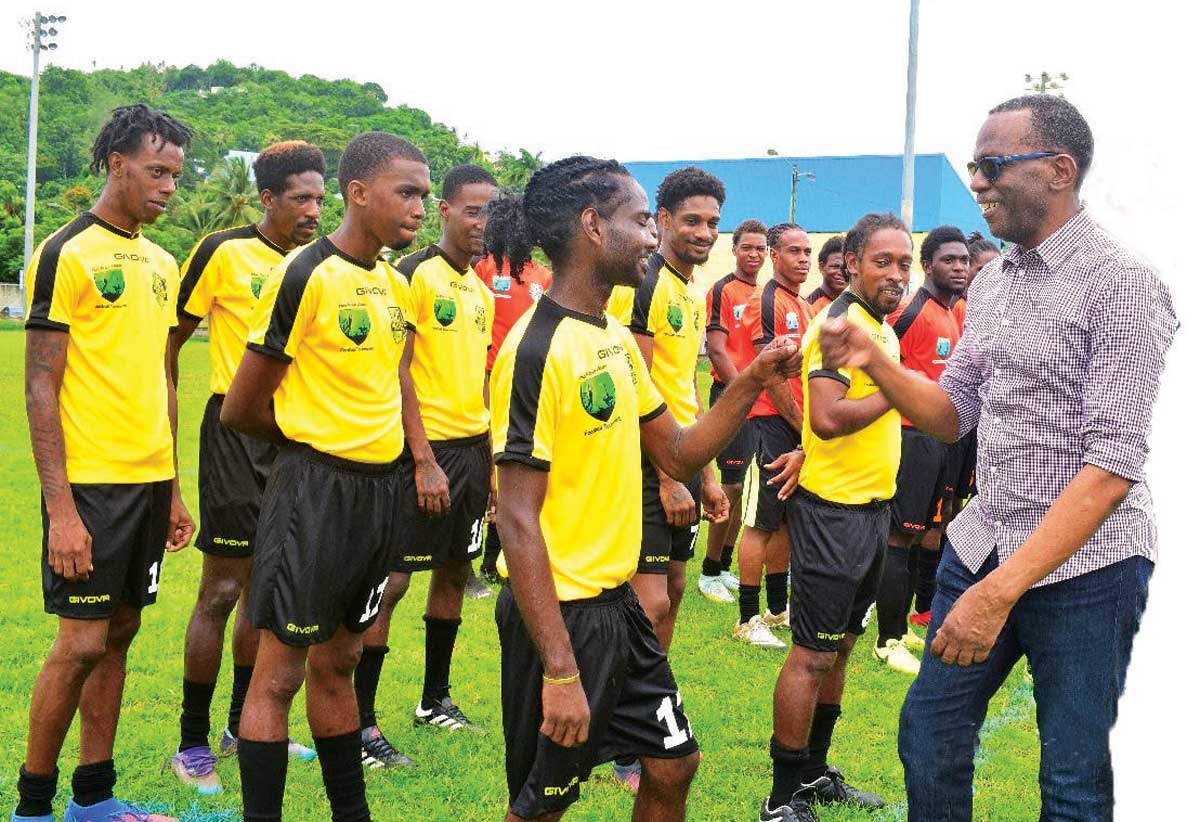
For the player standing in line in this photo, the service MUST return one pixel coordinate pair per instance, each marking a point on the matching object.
(221, 280)
(838, 523)
(724, 305)
(775, 422)
(101, 407)
(927, 330)
(831, 261)
(507, 249)
(582, 673)
(320, 378)
(446, 468)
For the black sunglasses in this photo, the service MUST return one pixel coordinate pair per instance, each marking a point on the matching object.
(992, 166)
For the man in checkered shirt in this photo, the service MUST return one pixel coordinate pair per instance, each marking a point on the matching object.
(1058, 368)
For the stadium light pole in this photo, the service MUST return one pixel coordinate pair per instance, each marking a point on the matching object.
(910, 120)
(796, 175)
(39, 41)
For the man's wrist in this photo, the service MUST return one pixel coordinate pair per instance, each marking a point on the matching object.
(1002, 588)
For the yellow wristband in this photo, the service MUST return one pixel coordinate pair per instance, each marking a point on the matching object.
(567, 680)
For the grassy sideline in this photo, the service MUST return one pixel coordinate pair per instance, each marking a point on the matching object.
(726, 687)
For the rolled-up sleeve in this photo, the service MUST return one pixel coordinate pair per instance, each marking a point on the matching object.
(961, 381)
(1132, 325)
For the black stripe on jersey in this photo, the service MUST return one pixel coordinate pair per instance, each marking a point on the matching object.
(841, 305)
(408, 265)
(47, 272)
(850, 297)
(287, 300)
(714, 316)
(639, 321)
(817, 294)
(831, 374)
(911, 313)
(529, 367)
(203, 256)
(768, 313)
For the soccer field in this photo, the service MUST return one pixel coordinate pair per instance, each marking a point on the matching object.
(726, 687)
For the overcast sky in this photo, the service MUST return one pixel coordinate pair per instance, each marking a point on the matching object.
(671, 80)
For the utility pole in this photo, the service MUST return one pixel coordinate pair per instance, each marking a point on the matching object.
(910, 121)
(39, 41)
(1045, 82)
(796, 175)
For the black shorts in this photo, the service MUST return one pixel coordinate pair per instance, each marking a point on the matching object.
(734, 460)
(323, 545)
(920, 482)
(128, 525)
(420, 542)
(960, 474)
(837, 559)
(662, 544)
(233, 474)
(635, 703)
(763, 509)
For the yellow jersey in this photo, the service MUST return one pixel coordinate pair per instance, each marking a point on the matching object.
(114, 294)
(453, 316)
(341, 327)
(221, 280)
(569, 394)
(620, 303)
(667, 308)
(859, 467)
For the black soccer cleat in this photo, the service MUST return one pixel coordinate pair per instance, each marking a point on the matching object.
(377, 752)
(444, 714)
(797, 810)
(835, 790)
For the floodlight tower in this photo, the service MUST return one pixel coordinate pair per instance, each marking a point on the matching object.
(40, 39)
(908, 173)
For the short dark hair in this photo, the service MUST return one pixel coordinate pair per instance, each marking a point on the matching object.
(687, 182)
(558, 193)
(464, 175)
(1059, 127)
(505, 236)
(748, 227)
(978, 244)
(938, 237)
(368, 152)
(775, 233)
(834, 245)
(279, 161)
(858, 236)
(127, 126)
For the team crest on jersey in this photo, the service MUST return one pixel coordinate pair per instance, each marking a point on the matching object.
(535, 292)
(159, 286)
(792, 321)
(501, 283)
(598, 395)
(256, 284)
(110, 282)
(445, 310)
(675, 316)
(398, 329)
(738, 310)
(355, 323)
(943, 347)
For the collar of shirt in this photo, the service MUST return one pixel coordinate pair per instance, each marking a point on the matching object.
(1054, 251)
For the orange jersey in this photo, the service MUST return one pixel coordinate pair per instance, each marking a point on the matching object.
(817, 300)
(724, 306)
(514, 296)
(927, 331)
(773, 311)
(960, 313)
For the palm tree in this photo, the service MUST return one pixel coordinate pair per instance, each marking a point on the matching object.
(234, 197)
(194, 213)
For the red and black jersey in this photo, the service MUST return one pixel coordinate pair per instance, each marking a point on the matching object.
(960, 313)
(723, 306)
(927, 330)
(771, 311)
(817, 300)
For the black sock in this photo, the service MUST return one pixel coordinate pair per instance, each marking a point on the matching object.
(624, 761)
(710, 567)
(926, 583)
(439, 649)
(491, 550)
(748, 596)
(824, 718)
(35, 793)
(237, 698)
(94, 782)
(777, 592)
(894, 595)
(263, 766)
(726, 557)
(342, 772)
(788, 765)
(366, 682)
(193, 719)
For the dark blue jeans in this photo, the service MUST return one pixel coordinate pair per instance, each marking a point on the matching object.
(1077, 635)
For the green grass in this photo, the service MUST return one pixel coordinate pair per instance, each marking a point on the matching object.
(726, 687)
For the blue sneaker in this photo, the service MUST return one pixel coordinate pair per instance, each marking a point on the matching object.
(44, 818)
(197, 768)
(228, 747)
(111, 810)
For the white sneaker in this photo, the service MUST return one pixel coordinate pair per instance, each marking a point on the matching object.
(714, 589)
(777, 621)
(913, 642)
(756, 633)
(730, 581)
(898, 657)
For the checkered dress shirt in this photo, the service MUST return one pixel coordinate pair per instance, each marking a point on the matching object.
(1058, 367)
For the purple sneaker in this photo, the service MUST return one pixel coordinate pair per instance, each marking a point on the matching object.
(229, 742)
(197, 768)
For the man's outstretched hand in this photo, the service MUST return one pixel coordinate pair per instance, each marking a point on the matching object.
(845, 345)
(781, 359)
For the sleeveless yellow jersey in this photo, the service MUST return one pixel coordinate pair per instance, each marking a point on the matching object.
(860, 467)
(666, 308)
(341, 327)
(569, 394)
(113, 293)
(221, 280)
(453, 317)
